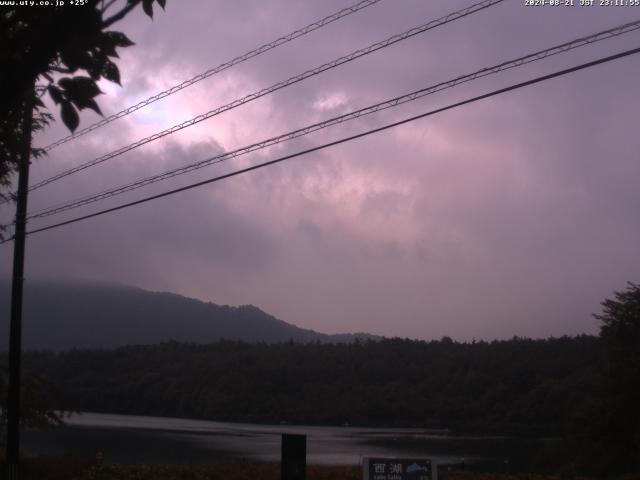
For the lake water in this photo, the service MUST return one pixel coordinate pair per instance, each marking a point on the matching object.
(133, 439)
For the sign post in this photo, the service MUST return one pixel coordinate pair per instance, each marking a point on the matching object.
(294, 457)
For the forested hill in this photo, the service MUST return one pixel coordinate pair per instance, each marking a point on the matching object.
(59, 316)
(505, 386)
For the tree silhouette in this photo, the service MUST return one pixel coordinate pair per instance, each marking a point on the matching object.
(620, 333)
(56, 46)
(67, 48)
(621, 320)
(37, 408)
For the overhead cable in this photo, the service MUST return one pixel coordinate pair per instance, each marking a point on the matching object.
(524, 60)
(342, 140)
(295, 79)
(224, 66)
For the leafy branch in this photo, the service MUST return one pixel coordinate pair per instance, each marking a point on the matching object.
(72, 49)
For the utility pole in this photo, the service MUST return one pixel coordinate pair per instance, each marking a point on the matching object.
(15, 331)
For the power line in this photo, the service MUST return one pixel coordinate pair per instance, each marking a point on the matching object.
(343, 140)
(213, 71)
(530, 58)
(295, 79)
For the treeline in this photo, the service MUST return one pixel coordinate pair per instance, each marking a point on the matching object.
(520, 385)
(584, 390)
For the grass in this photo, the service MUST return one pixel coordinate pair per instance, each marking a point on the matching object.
(70, 467)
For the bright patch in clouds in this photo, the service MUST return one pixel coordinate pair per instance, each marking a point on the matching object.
(331, 101)
(509, 201)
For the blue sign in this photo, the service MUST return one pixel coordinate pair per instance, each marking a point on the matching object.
(398, 469)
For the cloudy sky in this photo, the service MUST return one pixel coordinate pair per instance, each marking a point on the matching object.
(516, 215)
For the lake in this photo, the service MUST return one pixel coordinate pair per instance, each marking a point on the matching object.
(138, 439)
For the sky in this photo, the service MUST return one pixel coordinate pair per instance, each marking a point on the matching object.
(515, 215)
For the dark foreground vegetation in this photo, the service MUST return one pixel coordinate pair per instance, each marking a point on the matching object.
(583, 391)
(85, 468)
(518, 385)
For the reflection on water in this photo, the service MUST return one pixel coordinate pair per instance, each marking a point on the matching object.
(126, 438)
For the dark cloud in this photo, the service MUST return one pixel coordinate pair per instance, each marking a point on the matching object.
(516, 215)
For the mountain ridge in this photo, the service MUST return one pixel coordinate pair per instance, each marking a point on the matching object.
(106, 315)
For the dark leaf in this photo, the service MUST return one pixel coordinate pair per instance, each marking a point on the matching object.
(38, 152)
(147, 6)
(108, 46)
(74, 57)
(94, 66)
(80, 89)
(93, 106)
(94, 71)
(41, 120)
(70, 61)
(119, 39)
(66, 82)
(81, 104)
(69, 116)
(55, 93)
(162, 3)
(110, 72)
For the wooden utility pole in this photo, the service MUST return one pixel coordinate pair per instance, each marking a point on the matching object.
(15, 331)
